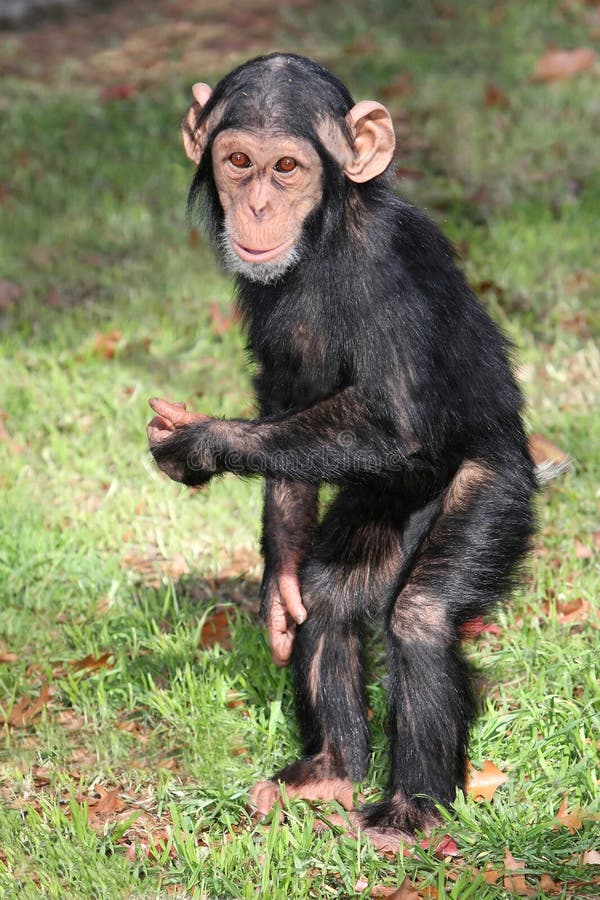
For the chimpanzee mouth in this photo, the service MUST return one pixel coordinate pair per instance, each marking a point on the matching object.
(261, 266)
(256, 256)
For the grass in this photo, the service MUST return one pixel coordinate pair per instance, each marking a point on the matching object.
(132, 735)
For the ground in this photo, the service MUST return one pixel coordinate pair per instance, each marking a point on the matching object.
(137, 699)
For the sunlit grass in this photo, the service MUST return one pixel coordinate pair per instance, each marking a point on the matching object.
(102, 555)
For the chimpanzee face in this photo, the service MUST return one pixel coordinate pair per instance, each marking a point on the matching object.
(268, 175)
(267, 185)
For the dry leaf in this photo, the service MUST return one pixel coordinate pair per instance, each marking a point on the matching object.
(571, 820)
(559, 65)
(220, 322)
(216, 630)
(109, 801)
(177, 567)
(542, 450)
(577, 610)
(92, 662)
(105, 344)
(378, 890)
(54, 298)
(26, 710)
(491, 876)
(495, 97)
(5, 655)
(591, 858)
(474, 627)
(10, 292)
(6, 437)
(548, 885)
(117, 92)
(428, 892)
(234, 699)
(583, 551)
(482, 785)
(446, 846)
(514, 883)
(405, 892)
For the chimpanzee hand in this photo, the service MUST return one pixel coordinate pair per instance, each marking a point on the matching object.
(283, 609)
(171, 417)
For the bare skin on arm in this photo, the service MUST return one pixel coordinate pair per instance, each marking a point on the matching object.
(285, 612)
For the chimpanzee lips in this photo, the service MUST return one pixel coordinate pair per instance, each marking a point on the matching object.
(251, 255)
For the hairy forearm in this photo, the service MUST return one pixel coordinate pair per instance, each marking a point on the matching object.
(336, 439)
(289, 521)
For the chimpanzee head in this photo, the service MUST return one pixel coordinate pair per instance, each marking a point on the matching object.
(277, 143)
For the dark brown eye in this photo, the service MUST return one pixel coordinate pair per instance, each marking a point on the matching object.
(285, 164)
(239, 160)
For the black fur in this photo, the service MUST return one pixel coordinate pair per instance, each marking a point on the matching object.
(379, 371)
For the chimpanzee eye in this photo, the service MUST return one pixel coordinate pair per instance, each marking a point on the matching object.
(285, 164)
(240, 160)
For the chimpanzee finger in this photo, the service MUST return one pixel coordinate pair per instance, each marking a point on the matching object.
(281, 647)
(289, 588)
(176, 413)
(158, 429)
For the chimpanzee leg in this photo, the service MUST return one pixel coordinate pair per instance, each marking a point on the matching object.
(350, 575)
(465, 565)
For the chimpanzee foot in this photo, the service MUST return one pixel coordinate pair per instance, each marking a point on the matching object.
(388, 824)
(394, 821)
(307, 779)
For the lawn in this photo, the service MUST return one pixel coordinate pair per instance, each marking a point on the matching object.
(138, 702)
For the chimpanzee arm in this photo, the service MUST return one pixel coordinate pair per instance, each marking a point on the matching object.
(347, 435)
(289, 520)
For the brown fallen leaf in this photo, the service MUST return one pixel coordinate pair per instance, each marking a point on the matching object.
(549, 885)
(109, 801)
(493, 96)
(10, 292)
(477, 626)
(583, 551)
(591, 858)
(491, 875)
(5, 655)
(542, 449)
(514, 879)
(570, 820)
(92, 662)
(26, 710)
(5, 437)
(559, 65)
(105, 344)
(54, 298)
(216, 630)
(117, 92)
(569, 611)
(378, 890)
(445, 846)
(405, 892)
(482, 785)
(220, 321)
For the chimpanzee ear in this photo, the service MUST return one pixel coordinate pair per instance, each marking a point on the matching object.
(194, 139)
(371, 126)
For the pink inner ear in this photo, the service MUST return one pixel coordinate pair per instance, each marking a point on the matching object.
(201, 92)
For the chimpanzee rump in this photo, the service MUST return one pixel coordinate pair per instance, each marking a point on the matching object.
(378, 372)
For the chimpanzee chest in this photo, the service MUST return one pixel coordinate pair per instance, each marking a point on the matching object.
(304, 366)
